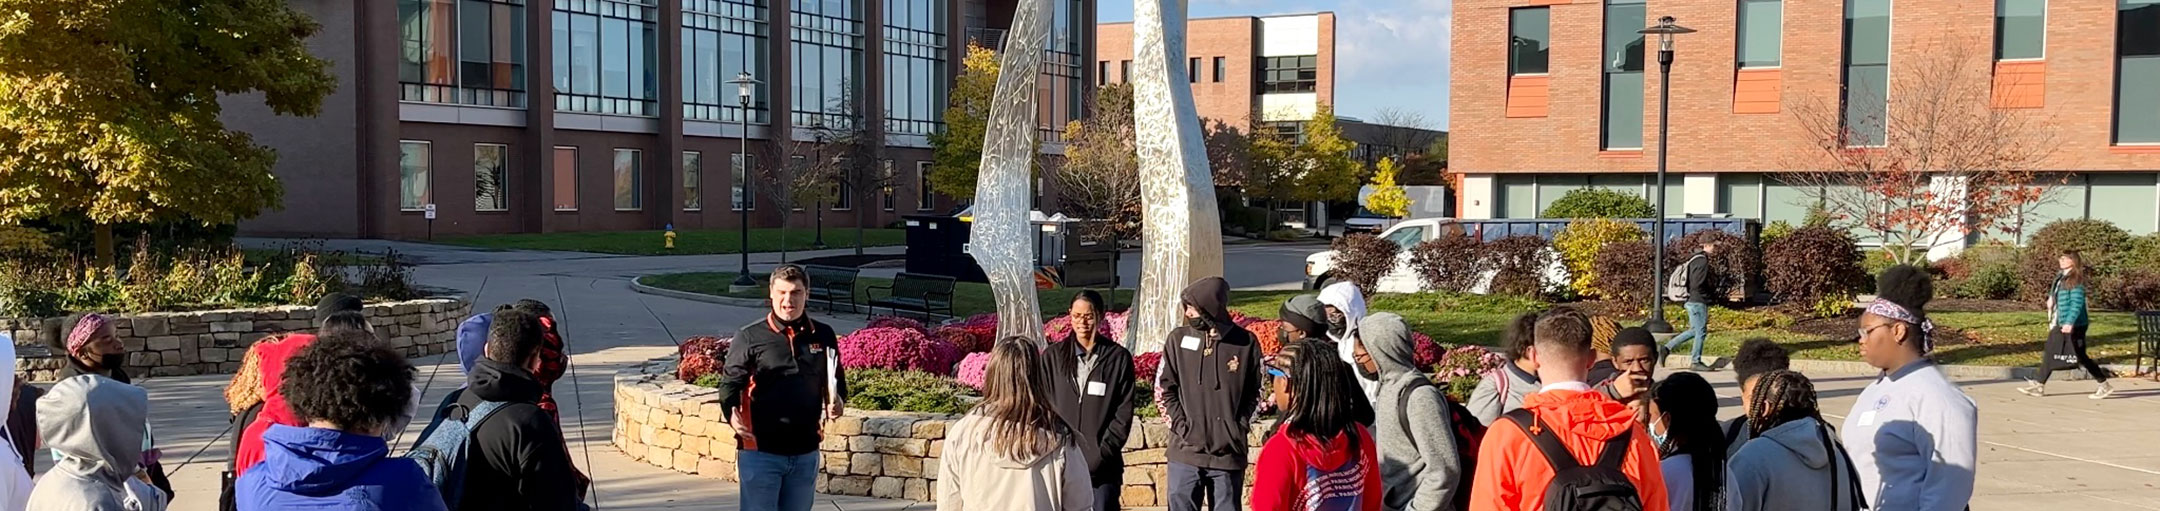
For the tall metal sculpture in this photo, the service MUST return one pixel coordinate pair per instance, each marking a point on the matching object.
(999, 240)
(1182, 236)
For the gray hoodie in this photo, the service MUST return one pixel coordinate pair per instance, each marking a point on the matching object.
(1419, 466)
(1499, 391)
(95, 426)
(1790, 467)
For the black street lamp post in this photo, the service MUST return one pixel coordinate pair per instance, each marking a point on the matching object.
(744, 84)
(1665, 30)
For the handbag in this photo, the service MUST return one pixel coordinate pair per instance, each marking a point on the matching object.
(2060, 352)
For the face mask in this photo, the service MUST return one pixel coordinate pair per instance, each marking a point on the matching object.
(1337, 329)
(1369, 375)
(112, 361)
(1201, 324)
(1656, 435)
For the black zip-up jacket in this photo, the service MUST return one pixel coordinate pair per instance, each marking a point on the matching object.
(517, 458)
(776, 374)
(1098, 412)
(1701, 279)
(1210, 383)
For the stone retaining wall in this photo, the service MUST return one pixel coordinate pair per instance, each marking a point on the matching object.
(213, 341)
(674, 425)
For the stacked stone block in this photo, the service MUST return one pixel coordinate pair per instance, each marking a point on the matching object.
(213, 341)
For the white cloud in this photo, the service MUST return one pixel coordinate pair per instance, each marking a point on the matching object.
(1393, 53)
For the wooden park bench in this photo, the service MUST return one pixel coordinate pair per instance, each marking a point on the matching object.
(914, 292)
(833, 285)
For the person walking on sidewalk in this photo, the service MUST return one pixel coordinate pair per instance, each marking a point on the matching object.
(782, 381)
(2067, 320)
(1012, 452)
(1414, 430)
(1913, 433)
(1320, 458)
(1700, 287)
(1796, 463)
(1568, 441)
(1210, 385)
(1091, 388)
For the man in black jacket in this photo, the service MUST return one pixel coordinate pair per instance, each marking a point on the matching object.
(780, 384)
(1210, 386)
(1701, 288)
(517, 458)
(1091, 387)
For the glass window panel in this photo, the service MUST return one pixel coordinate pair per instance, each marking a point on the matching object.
(693, 181)
(1866, 109)
(1220, 65)
(1550, 187)
(412, 41)
(627, 180)
(1623, 46)
(1518, 196)
(414, 184)
(491, 177)
(1623, 110)
(585, 54)
(1867, 32)
(1529, 39)
(924, 199)
(1675, 196)
(643, 71)
(1785, 201)
(561, 28)
(1740, 195)
(2137, 28)
(615, 57)
(441, 52)
(2020, 29)
(2125, 199)
(510, 30)
(566, 177)
(2137, 101)
(1762, 25)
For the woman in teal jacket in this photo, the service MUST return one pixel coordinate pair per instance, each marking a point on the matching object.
(2066, 329)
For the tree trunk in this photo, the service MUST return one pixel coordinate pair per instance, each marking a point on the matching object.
(102, 236)
(862, 216)
(1269, 216)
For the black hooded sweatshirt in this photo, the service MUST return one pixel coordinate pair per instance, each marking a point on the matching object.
(1099, 410)
(1210, 383)
(776, 373)
(517, 458)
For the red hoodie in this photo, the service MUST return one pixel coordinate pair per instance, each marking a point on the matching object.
(273, 356)
(1512, 474)
(1291, 460)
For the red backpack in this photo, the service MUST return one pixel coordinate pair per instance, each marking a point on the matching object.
(1468, 432)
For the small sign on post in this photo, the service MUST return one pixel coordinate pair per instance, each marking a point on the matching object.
(430, 212)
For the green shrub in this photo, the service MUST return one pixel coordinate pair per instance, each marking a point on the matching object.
(310, 280)
(1146, 409)
(1599, 203)
(1775, 231)
(905, 391)
(2102, 245)
(712, 380)
(2144, 253)
(1814, 265)
(141, 289)
(1450, 262)
(388, 278)
(1579, 244)
(1990, 282)
(1361, 259)
(1831, 306)
(27, 292)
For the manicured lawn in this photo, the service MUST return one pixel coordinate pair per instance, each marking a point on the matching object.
(969, 298)
(1990, 338)
(687, 242)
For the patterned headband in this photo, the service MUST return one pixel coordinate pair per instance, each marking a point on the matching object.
(1892, 310)
(85, 328)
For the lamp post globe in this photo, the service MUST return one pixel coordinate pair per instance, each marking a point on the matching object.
(740, 165)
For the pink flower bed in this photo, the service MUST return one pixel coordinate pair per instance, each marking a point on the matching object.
(700, 356)
(897, 322)
(898, 349)
(972, 369)
(962, 339)
(1144, 367)
(1427, 353)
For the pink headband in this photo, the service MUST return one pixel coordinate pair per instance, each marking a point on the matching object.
(1892, 310)
(84, 328)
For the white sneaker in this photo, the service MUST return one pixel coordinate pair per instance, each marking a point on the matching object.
(2034, 389)
(2103, 392)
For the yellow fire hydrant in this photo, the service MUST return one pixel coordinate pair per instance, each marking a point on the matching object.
(670, 236)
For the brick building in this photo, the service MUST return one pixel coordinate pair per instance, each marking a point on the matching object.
(1245, 70)
(578, 115)
(1554, 95)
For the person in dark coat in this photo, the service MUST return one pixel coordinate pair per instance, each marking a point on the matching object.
(348, 386)
(1701, 289)
(1305, 319)
(779, 386)
(517, 459)
(1210, 384)
(1091, 388)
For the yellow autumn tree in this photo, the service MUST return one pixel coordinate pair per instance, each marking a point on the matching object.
(109, 109)
(956, 152)
(1387, 197)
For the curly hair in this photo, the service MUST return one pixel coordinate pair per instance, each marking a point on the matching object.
(1781, 396)
(349, 378)
(513, 336)
(1758, 356)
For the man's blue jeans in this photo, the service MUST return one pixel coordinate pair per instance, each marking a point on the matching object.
(1698, 330)
(780, 483)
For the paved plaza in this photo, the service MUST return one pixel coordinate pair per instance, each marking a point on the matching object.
(2063, 452)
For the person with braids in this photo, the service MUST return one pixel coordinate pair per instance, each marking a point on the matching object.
(1683, 423)
(1795, 461)
(1913, 432)
(1012, 451)
(1320, 458)
(1757, 357)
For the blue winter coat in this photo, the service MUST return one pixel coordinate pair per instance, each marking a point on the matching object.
(315, 468)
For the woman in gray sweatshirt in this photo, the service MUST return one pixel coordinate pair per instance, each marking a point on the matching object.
(1419, 466)
(1794, 462)
(1503, 388)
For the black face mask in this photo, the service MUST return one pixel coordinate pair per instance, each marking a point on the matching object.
(1337, 329)
(1369, 375)
(1201, 324)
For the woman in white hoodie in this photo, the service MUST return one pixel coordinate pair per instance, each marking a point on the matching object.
(1012, 452)
(1345, 309)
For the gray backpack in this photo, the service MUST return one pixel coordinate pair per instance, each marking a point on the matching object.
(1676, 282)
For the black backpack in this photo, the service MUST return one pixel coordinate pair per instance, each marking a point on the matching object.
(1467, 432)
(1578, 487)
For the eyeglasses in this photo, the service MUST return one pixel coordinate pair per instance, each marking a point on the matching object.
(1868, 330)
(1085, 318)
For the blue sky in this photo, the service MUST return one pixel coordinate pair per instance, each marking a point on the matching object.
(1388, 53)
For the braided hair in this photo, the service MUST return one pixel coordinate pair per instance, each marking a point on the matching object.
(1781, 396)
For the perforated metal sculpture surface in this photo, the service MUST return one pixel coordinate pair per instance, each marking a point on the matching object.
(1000, 238)
(1181, 235)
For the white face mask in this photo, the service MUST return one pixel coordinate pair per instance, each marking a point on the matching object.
(1658, 436)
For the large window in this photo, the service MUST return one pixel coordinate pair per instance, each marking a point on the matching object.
(1297, 73)
(693, 181)
(1220, 63)
(2020, 29)
(722, 38)
(741, 195)
(629, 180)
(491, 177)
(462, 51)
(1059, 93)
(604, 56)
(1867, 72)
(415, 190)
(827, 49)
(924, 200)
(1529, 40)
(1192, 70)
(566, 176)
(2137, 85)
(915, 83)
(1762, 26)
(1623, 62)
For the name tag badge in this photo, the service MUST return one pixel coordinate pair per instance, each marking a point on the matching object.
(1190, 343)
(817, 349)
(1096, 388)
(1867, 418)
